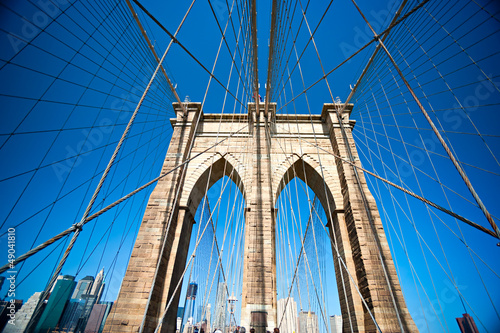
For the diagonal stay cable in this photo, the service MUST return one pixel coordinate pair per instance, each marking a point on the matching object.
(175, 40)
(151, 47)
(357, 52)
(105, 209)
(447, 211)
(436, 131)
(223, 33)
(78, 226)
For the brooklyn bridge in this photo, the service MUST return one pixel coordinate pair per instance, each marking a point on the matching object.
(249, 166)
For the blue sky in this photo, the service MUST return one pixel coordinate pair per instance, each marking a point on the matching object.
(67, 95)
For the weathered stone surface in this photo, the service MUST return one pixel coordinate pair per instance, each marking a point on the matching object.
(261, 156)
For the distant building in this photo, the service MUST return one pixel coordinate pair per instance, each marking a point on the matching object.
(23, 316)
(6, 308)
(97, 318)
(83, 287)
(208, 316)
(287, 315)
(336, 323)
(55, 305)
(98, 284)
(308, 322)
(71, 315)
(109, 305)
(89, 299)
(54, 285)
(220, 308)
(189, 305)
(199, 313)
(87, 293)
(467, 324)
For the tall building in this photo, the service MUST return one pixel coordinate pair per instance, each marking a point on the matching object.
(23, 316)
(95, 323)
(5, 309)
(71, 315)
(189, 304)
(60, 277)
(220, 308)
(199, 313)
(89, 300)
(109, 305)
(308, 322)
(80, 305)
(467, 324)
(180, 315)
(209, 317)
(57, 301)
(336, 323)
(98, 283)
(287, 315)
(83, 287)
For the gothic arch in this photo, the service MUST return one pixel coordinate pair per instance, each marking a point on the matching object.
(309, 171)
(256, 163)
(206, 174)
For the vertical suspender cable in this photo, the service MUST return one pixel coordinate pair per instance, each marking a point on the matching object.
(255, 57)
(134, 14)
(270, 59)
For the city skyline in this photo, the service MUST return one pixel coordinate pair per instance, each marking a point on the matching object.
(73, 72)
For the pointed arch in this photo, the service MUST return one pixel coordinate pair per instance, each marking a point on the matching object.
(213, 168)
(309, 171)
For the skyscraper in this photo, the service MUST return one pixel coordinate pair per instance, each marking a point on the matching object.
(189, 306)
(109, 305)
(308, 322)
(86, 294)
(97, 317)
(336, 323)
(83, 287)
(5, 309)
(98, 283)
(467, 324)
(23, 316)
(287, 315)
(89, 300)
(220, 308)
(71, 315)
(180, 316)
(209, 318)
(58, 298)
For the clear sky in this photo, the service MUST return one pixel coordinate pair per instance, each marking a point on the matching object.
(67, 95)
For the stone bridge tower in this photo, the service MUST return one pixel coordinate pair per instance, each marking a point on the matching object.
(261, 156)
